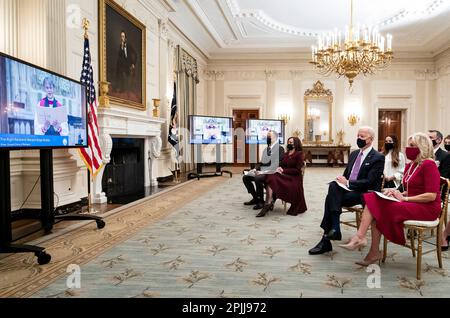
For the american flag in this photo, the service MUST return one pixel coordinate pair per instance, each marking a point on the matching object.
(92, 156)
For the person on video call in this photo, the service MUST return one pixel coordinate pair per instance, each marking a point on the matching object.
(53, 127)
(126, 64)
(271, 159)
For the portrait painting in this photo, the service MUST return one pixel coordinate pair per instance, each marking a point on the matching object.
(122, 55)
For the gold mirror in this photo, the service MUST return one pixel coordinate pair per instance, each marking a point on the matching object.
(318, 107)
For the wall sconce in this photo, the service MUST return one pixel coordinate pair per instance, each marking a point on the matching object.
(353, 119)
(284, 117)
(156, 103)
(297, 133)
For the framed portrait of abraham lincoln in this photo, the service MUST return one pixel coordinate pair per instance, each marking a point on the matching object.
(122, 55)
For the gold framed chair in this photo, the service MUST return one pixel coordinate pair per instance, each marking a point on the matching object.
(358, 210)
(302, 172)
(417, 229)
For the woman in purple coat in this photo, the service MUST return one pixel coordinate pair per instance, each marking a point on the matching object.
(287, 182)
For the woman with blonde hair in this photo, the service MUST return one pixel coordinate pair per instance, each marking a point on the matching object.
(420, 201)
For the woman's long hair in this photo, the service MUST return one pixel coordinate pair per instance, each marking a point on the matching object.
(395, 151)
(297, 143)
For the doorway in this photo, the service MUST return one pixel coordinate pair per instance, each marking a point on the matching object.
(240, 148)
(389, 123)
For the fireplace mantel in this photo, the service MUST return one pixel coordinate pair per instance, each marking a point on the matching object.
(120, 123)
(117, 122)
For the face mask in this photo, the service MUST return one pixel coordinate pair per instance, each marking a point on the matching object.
(447, 147)
(434, 143)
(388, 146)
(361, 143)
(290, 147)
(412, 153)
(269, 140)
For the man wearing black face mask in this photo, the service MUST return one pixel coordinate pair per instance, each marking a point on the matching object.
(271, 158)
(363, 173)
(441, 156)
(447, 143)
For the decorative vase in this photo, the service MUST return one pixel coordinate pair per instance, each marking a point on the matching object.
(104, 90)
(156, 103)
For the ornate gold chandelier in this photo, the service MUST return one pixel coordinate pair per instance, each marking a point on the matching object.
(363, 51)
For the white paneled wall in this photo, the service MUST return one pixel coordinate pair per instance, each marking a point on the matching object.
(421, 93)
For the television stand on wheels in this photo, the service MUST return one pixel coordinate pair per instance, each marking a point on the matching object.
(5, 216)
(48, 200)
(218, 173)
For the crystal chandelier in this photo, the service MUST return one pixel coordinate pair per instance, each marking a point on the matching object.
(363, 50)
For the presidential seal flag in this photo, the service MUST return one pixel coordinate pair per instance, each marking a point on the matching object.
(173, 127)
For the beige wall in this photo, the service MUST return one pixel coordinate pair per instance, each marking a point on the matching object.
(421, 89)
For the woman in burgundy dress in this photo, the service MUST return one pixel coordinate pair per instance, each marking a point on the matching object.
(287, 183)
(421, 201)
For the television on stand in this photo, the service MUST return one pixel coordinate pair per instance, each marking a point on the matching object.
(256, 134)
(257, 130)
(39, 109)
(207, 130)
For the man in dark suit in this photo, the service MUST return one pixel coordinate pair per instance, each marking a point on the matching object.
(363, 173)
(441, 156)
(126, 64)
(271, 159)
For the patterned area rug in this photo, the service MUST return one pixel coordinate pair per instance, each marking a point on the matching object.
(213, 246)
(21, 276)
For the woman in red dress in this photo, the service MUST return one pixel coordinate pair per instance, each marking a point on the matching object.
(287, 182)
(421, 201)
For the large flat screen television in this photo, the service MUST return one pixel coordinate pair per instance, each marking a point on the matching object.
(39, 108)
(210, 130)
(257, 130)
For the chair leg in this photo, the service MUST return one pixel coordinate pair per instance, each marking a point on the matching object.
(438, 246)
(419, 254)
(412, 234)
(358, 219)
(384, 249)
(285, 207)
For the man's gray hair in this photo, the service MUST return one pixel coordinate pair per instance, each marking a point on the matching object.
(369, 129)
(275, 134)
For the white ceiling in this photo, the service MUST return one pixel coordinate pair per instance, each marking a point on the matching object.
(220, 27)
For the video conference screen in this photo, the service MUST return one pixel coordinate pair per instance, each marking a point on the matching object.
(40, 109)
(257, 130)
(211, 130)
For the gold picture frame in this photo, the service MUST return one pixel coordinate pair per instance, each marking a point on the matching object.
(318, 100)
(123, 66)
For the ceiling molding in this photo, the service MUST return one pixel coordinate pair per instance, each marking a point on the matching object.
(266, 20)
(157, 8)
(397, 18)
(170, 5)
(204, 55)
(205, 22)
(225, 29)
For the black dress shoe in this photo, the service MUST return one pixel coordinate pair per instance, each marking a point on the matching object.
(252, 202)
(258, 206)
(323, 247)
(444, 248)
(265, 209)
(333, 235)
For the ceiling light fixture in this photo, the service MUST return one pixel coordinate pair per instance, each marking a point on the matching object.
(362, 50)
